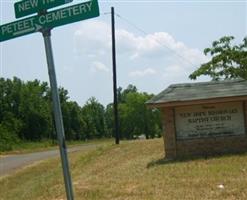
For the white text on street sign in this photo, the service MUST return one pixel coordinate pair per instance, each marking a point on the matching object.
(50, 20)
(27, 7)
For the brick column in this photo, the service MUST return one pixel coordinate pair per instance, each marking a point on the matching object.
(169, 132)
(245, 115)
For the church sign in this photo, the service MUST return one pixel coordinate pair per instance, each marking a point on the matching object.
(204, 118)
(209, 120)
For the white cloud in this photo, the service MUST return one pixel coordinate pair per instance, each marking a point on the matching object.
(68, 68)
(172, 58)
(163, 45)
(94, 37)
(99, 66)
(172, 71)
(141, 73)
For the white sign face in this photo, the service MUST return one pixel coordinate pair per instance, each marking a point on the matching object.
(209, 120)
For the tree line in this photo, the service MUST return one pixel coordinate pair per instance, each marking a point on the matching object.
(26, 114)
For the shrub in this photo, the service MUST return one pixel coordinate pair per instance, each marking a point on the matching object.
(7, 139)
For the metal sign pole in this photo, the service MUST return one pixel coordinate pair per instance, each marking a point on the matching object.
(58, 114)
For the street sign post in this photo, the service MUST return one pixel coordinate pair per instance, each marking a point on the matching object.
(58, 114)
(44, 22)
(49, 20)
(27, 7)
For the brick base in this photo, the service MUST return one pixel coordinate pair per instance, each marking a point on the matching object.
(211, 146)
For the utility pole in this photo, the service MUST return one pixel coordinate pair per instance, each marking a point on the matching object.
(115, 100)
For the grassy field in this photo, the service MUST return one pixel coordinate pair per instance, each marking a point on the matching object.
(133, 170)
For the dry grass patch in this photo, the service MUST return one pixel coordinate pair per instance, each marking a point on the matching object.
(133, 170)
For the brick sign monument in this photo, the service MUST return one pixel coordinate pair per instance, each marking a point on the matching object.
(203, 118)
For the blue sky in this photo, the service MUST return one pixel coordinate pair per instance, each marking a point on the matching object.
(166, 50)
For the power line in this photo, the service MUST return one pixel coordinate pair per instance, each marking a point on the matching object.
(145, 33)
(131, 23)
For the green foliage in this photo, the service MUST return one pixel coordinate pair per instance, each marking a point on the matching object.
(93, 116)
(7, 138)
(26, 114)
(73, 122)
(135, 118)
(34, 110)
(228, 60)
(109, 120)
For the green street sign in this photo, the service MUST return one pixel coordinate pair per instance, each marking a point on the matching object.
(27, 7)
(49, 20)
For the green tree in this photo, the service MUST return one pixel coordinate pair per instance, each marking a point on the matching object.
(74, 124)
(7, 138)
(9, 129)
(109, 120)
(122, 94)
(35, 111)
(135, 118)
(228, 60)
(93, 114)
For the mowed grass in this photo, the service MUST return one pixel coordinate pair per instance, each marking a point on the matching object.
(131, 170)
